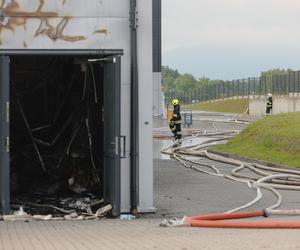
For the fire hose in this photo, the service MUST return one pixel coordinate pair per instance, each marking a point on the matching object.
(270, 178)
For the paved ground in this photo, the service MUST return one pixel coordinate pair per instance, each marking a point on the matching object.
(138, 234)
(178, 192)
(202, 121)
(182, 193)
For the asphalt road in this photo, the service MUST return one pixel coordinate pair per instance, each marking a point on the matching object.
(180, 191)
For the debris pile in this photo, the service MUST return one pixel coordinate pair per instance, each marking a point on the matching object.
(21, 215)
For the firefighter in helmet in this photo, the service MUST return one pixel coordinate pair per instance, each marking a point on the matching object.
(269, 104)
(175, 122)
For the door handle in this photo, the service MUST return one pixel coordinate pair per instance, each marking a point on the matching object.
(116, 145)
(123, 144)
(7, 144)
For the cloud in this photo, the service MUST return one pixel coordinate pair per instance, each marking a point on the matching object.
(229, 62)
(240, 22)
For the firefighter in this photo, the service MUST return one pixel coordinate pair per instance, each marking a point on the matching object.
(269, 104)
(175, 122)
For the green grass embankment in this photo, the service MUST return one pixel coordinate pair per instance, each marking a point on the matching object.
(274, 138)
(228, 106)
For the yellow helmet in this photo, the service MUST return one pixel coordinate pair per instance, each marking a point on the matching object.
(175, 102)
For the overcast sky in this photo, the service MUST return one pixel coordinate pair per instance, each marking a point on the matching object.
(231, 38)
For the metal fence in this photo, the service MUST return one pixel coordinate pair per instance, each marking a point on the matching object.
(286, 84)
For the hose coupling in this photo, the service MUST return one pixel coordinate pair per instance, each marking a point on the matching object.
(267, 212)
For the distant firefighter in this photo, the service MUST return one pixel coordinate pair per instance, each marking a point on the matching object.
(269, 104)
(175, 122)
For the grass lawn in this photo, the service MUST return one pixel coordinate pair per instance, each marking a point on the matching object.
(228, 106)
(274, 138)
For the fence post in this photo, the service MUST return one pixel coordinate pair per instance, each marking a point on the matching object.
(298, 73)
(289, 83)
(254, 87)
(277, 85)
(266, 85)
(294, 84)
(228, 89)
(215, 91)
(286, 84)
(282, 84)
(249, 87)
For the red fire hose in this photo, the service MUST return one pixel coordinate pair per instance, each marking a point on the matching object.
(221, 221)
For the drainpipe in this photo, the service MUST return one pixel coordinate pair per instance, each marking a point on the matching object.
(134, 165)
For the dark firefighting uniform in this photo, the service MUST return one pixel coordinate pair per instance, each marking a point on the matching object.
(269, 104)
(175, 122)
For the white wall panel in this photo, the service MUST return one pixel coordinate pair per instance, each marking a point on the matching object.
(61, 33)
(72, 8)
(145, 106)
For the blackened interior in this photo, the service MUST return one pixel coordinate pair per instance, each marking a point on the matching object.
(56, 128)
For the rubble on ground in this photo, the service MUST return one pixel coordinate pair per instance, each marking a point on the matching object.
(21, 215)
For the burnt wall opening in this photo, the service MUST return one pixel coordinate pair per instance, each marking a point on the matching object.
(56, 133)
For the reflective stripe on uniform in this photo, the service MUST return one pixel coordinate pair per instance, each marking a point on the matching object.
(178, 122)
(179, 133)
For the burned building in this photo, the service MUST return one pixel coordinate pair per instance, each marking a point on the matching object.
(76, 81)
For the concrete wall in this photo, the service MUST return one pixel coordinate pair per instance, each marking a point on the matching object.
(281, 104)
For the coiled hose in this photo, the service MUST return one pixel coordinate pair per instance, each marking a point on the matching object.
(270, 179)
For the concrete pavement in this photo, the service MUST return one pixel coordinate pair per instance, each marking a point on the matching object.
(138, 234)
(178, 191)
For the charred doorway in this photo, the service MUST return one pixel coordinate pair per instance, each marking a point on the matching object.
(64, 128)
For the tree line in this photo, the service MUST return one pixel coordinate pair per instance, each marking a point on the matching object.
(187, 87)
(173, 81)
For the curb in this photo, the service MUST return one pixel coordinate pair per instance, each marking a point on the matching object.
(249, 160)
